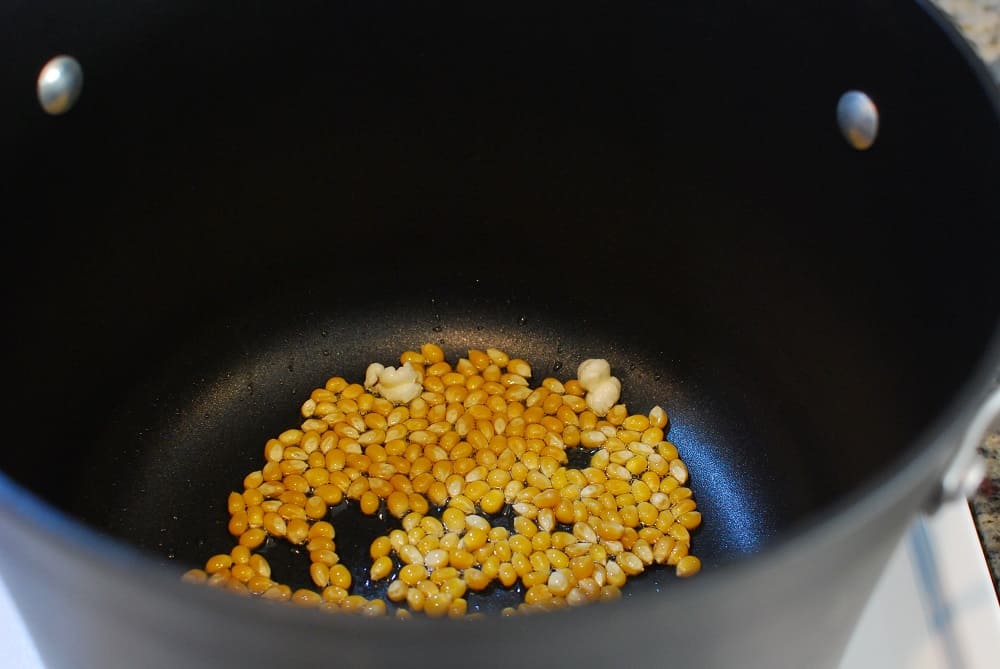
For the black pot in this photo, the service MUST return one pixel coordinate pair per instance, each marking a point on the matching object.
(246, 200)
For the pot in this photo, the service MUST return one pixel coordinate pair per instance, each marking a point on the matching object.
(778, 222)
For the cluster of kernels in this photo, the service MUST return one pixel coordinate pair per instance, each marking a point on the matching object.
(245, 572)
(477, 439)
(441, 561)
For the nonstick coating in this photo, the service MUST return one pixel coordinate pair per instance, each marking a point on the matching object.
(210, 235)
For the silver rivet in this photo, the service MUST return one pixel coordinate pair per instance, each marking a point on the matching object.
(857, 117)
(59, 84)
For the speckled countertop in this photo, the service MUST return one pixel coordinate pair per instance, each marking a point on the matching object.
(986, 506)
(979, 21)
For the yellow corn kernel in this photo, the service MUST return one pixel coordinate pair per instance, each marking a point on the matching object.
(258, 585)
(239, 523)
(304, 597)
(475, 579)
(253, 537)
(687, 566)
(320, 574)
(437, 605)
(492, 502)
(396, 591)
(353, 603)
(689, 520)
(506, 574)
(381, 568)
(340, 576)
(218, 562)
(297, 531)
(474, 539)
(412, 574)
(368, 502)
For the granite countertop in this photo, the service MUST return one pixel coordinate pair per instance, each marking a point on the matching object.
(986, 506)
(979, 21)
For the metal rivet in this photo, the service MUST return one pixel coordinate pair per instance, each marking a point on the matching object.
(59, 84)
(857, 117)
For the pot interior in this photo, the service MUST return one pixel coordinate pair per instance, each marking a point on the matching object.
(240, 208)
